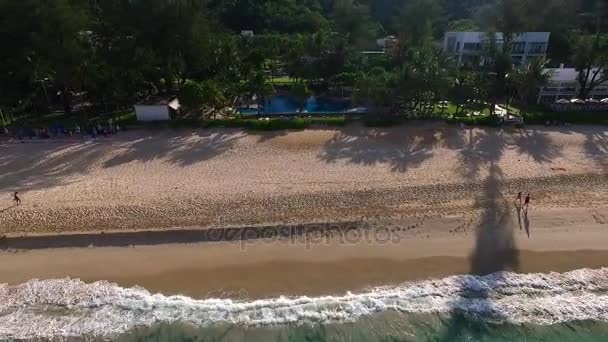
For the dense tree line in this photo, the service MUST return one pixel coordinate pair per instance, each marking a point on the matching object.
(111, 53)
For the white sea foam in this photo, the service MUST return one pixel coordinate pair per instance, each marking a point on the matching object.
(67, 307)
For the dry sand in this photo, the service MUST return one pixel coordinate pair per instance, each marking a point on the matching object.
(162, 179)
(443, 194)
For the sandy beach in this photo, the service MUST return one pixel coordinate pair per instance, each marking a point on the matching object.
(560, 241)
(441, 194)
(167, 179)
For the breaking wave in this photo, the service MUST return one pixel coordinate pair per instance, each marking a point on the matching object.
(72, 308)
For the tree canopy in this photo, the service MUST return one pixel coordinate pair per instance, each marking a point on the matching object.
(116, 52)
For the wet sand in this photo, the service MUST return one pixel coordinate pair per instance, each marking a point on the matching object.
(323, 264)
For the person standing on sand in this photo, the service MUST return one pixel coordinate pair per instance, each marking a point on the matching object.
(527, 202)
(518, 198)
(16, 198)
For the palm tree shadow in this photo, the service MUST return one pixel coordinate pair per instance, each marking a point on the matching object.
(180, 148)
(537, 145)
(495, 251)
(518, 209)
(527, 222)
(596, 148)
(395, 147)
(33, 166)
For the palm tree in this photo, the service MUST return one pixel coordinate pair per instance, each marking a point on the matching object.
(527, 79)
(260, 86)
(301, 92)
(375, 90)
(213, 95)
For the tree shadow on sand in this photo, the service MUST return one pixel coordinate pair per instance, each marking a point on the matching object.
(182, 149)
(596, 148)
(32, 166)
(480, 147)
(537, 145)
(400, 149)
(495, 250)
(39, 165)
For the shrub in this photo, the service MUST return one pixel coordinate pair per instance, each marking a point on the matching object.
(274, 124)
(487, 120)
(539, 117)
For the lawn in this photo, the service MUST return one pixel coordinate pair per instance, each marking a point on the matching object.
(282, 80)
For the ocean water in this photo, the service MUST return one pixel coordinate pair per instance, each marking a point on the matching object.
(503, 306)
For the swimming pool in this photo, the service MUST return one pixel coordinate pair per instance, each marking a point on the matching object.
(285, 104)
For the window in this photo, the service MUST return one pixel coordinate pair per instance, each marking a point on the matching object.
(471, 47)
(518, 48)
(517, 60)
(537, 48)
(451, 43)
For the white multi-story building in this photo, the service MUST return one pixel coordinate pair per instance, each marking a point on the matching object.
(564, 85)
(467, 47)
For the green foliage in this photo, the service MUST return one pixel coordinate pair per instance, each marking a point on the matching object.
(375, 90)
(192, 96)
(275, 124)
(300, 90)
(527, 79)
(462, 25)
(418, 21)
(485, 120)
(285, 16)
(113, 53)
(352, 20)
(590, 59)
(540, 117)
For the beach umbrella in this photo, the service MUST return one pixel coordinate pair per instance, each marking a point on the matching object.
(563, 101)
(577, 101)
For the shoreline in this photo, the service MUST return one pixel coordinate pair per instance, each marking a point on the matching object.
(317, 264)
(259, 280)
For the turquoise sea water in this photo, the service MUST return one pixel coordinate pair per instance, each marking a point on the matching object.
(502, 306)
(391, 326)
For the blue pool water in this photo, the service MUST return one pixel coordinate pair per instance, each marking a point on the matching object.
(289, 104)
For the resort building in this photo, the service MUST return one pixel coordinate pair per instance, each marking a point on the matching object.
(564, 85)
(467, 47)
(157, 109)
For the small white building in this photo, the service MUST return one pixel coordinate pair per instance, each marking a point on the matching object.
(564, 85)
(247, 33)
(388, 43)
(156, 109)
(467, 47)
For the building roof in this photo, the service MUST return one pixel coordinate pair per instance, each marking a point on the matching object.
(563, 74)
(159, 101)
(477, 35)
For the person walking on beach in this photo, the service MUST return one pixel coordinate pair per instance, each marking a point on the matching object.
(518, 198)
(16, 198)
(527, 202)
